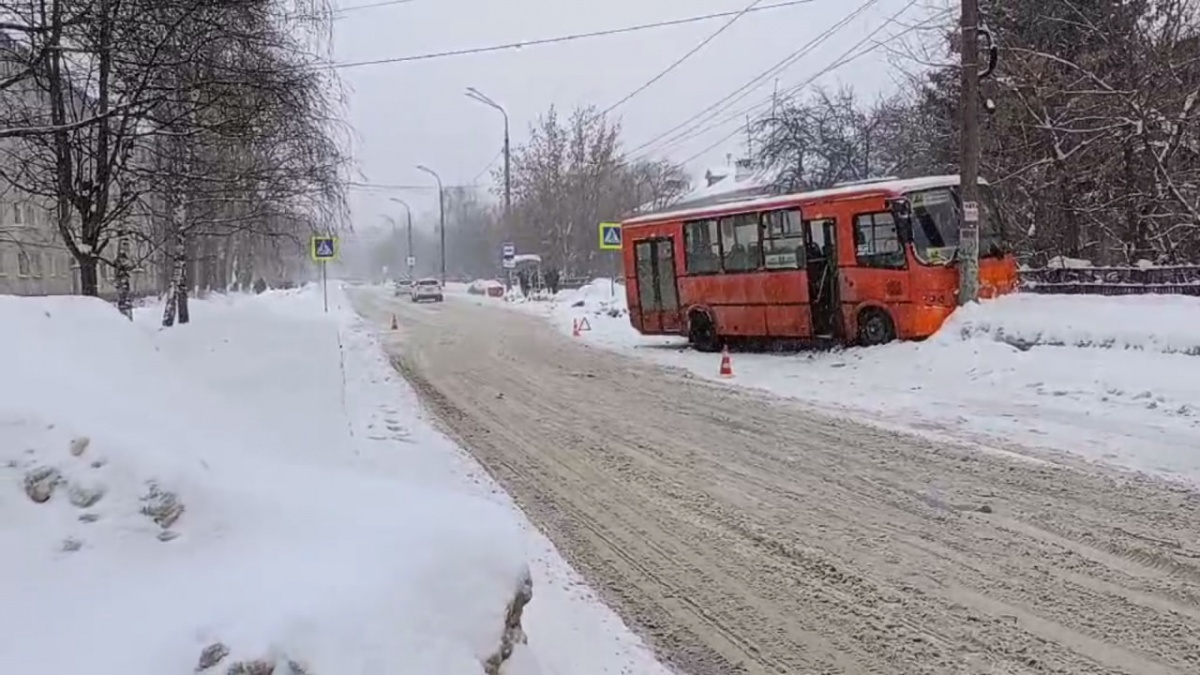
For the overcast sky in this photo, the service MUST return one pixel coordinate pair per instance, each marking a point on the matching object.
(416, 112)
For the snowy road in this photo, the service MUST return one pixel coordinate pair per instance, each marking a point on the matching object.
(742, 533)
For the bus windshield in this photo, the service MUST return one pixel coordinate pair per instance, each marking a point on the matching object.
(935, 222)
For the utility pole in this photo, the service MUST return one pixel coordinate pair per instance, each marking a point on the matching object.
(441, 216)
(969, 148)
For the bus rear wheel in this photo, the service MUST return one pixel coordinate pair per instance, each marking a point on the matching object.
(875, 327)
(702, 333)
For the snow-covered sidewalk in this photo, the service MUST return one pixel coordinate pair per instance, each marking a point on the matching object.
(261, 483)
(1108, 379)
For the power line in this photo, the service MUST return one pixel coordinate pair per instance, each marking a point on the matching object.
(377, 186)
(842, 60)
(561, 38)
(682, 130)
(683, 58)
(475, 180)
(371, 5)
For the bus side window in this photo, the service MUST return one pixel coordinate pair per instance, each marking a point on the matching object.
(739, 242)
(702, 252)
(783, 240)
(877, 241)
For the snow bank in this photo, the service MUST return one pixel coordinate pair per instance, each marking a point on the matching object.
(1021, 369)
(1160, 323)
(210, 489)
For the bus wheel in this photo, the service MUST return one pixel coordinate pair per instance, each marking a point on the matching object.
(875, 327)
(702, 333)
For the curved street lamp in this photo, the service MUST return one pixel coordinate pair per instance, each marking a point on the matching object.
(441, 215)
(408, 211)
(475, 95)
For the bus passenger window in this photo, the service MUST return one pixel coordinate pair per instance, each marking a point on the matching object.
(701, 247)
(877, 241)
(783, 240)
(739, 241)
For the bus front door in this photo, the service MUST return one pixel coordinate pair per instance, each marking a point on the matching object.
(820, 241)
(658, 295)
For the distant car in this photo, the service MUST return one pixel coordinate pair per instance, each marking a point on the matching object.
(488, 287)
(426, 289)
(402, 286)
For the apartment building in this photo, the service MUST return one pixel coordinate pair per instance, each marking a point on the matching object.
(34, 260)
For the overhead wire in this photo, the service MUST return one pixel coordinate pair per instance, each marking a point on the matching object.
(371, 5)
(558, 39)
(475, 180)
(751, 109)
(692, 52)
(846, 57)
(682, 130)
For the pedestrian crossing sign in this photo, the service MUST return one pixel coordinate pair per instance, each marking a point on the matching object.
(324, 248)
(610, 236)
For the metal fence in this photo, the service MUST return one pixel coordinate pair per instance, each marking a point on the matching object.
(1177, 280)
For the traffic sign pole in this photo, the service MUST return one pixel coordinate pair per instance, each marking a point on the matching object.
(323, 249)
(610, 240)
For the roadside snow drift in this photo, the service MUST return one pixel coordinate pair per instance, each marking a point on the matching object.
(1109, 379)
(167, 507)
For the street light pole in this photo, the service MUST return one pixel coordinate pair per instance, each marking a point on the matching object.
(474, 94)
(441, 215)
(408, 211)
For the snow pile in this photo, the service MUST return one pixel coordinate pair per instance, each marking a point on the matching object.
(183, 501)
(1160, 323)
(600, 297)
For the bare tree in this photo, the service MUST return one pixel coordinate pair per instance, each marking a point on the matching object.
(570, 176)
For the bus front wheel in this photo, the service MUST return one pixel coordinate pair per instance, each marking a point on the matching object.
(875, 327)
(702, 333)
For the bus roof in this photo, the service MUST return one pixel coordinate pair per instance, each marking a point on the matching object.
(887, 186)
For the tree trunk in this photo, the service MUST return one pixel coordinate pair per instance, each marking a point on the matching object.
(89, 277)
(186, 281)
(121, 276)
(178, 259)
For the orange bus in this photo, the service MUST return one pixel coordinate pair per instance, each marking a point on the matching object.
(860, 263)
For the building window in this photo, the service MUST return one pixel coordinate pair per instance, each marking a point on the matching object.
(877, 241)
(31, 215)
(702, 249)
(36, 259)
(3, 268)
(783, 240)
(18, 214)
(23, 265)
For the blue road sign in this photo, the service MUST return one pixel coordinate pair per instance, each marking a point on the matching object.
(509, 250)
(324, 248)
(610, 236)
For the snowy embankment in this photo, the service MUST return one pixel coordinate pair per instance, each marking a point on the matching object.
(1109, 379)
(254, 488)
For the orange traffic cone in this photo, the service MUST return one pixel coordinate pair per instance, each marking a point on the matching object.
(394, 325)
(726, 364)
